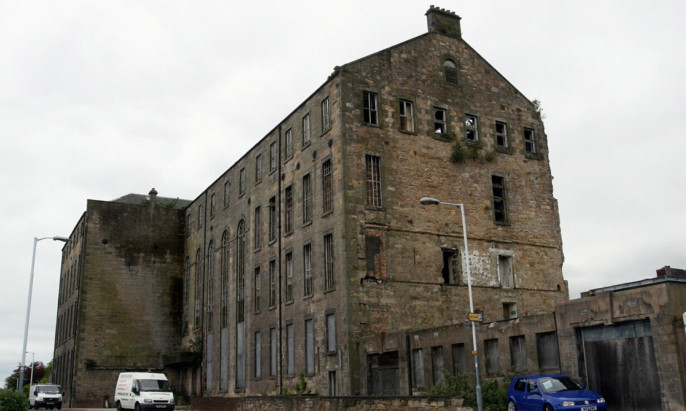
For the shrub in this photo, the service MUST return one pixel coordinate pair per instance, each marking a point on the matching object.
(11, 400)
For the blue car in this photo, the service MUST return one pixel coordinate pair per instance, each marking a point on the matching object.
(551, 392)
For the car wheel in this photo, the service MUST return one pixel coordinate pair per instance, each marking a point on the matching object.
(511, 406)
(548, 407)
(138, 407)
(118, 406)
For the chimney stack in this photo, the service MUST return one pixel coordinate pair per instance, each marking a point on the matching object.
(443, 21)
(152, 195)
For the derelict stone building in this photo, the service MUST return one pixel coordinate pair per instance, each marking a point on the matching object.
(316, 238)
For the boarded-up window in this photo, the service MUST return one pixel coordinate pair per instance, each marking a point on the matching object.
(373, 254)
(258, 355)
(518, 352)
(548, 355)
(240, 355)
(209, 362)
(505, 271)
(492, 356)
(272, 352)
(437, 364)
(309, 347)
(331, 332)
(290, 349)
(458, 359)
(383, 374)
(418, 368)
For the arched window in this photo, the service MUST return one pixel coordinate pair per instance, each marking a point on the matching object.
(224, 267)
(240, 271)
(450, 69)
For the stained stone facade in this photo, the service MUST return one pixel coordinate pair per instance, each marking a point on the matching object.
(315, 238)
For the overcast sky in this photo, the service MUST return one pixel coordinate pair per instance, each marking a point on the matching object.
(103, 98)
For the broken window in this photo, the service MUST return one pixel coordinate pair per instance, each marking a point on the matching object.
(289, 144)
(548, 355)
(328, 262)
(373, 254)
(509, 311)
(272, 157)
(440, 121)
(307, 199)
(418, 368)
(306, 130)
(241, 182)
(505, 271)
(326, 115)
(518, 352)
(327, 187)
(272, 219)
(288, 210)
(501, 134)
(307, 269)
(438, 364)
(458, 359)
(373, 167)
(499, 206)
(450, 69)
(406, 116)
(529, 141)
(258, 291)
(492, 356)
(452, 267)
(471, 124)
(272, 284)
(370, 108)
(289, 277)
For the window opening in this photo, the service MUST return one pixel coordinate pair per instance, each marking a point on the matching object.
(289, 144)
(289, 277)
(501, 134)
(518, 352)
(450, 69)
(327, 187)
(529, 141)
(210, 286)
(258, 355)
(258, 227)
(509, 311)
(272, 219)
(307, 269)
(272, 284)
(373, 180)
(290, 350)
(492, 356)
(471, 127)
(406, 116)
(258, 291)
(328, 262)
(272, 156)
(307, 199)
(505, 271)
(224, 268)
(326, 115)
(240, 271)
(241, 182)
(418, 368)
(452, 267)
(499, 206)
(440, 125)
(370, 109)
(272, 352)
(288, 210)
(306, 130)
(258, 168)
(458, 359)
(331, 333)
(438, 364)
(309, 347)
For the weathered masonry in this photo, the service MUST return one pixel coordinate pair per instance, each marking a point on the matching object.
(316, 238)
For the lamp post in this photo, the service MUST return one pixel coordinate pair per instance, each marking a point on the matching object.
(28, 305)
(433, 201)
(33, 364)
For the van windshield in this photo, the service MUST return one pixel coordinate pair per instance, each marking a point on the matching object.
(50, 389)
(154, 385)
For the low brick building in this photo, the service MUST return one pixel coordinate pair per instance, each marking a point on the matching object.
(316, 238)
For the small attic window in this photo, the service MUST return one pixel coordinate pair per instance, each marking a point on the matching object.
(450, 69)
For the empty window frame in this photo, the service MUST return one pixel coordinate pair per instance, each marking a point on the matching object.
(450, 71)
(258, 227)
(505, 271)
(437, 364)
(452, 267)
(241, 182)
(327, 187)
(309, 346)
(373, 167)
(307, 270)
(459, 359)
(240, 271)
(529, 141)
(212, 205)
(471, 125)
(492, 356)
(227, 185)
(290, 349)
(518, 352)
(258, 356)
(370, 102)
(198, 288)
(289, 277)
(273, 351)
(548, 353)
(307, 198)
(288, 210)
(272, 283)
(331, 333)
(326, 115)
(501, 135)
(418, 368)
(258, 168)
(272, 219)
(258, 290)
(406, 113)
(509, 311)
(307, 136)
(374, 264)
(328, 262)
(440, 121)
(332, 383)
(499, 199)
(289, 144)
(272, 157)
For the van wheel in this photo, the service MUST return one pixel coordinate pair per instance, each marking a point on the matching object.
(138, 407)
(118, 406)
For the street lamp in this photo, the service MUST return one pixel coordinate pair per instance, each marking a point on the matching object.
(28, 305)
(33, 364)
(433, 201)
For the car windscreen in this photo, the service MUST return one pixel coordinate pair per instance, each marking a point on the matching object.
(49, 389)
(154, 385)
(557, 384)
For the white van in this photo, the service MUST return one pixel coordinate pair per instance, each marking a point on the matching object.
(45, 396)
(143, 391)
